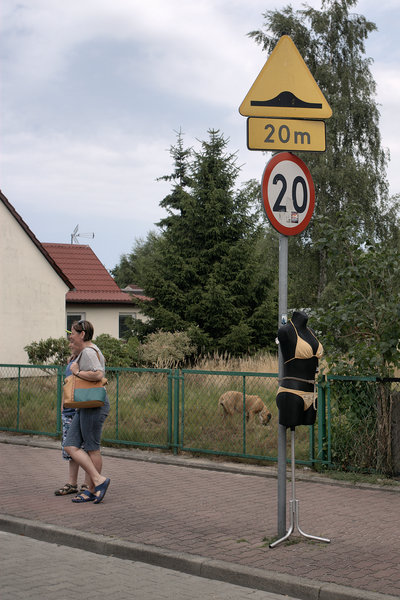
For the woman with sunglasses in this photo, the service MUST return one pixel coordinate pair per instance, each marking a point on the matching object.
(82, 442)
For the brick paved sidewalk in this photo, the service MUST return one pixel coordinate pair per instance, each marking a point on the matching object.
(218, 515)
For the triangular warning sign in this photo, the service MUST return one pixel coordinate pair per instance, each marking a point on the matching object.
(285, 88)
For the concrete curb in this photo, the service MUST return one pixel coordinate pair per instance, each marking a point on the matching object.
(191, 564)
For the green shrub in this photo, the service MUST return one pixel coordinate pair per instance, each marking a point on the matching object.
(48, 352)
(164, 349)
(118, 353)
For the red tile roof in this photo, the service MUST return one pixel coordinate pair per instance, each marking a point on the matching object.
(91, 280)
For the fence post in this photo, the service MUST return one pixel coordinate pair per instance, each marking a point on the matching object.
(171, 381)
(321, 409)
(19, 397)
(244, 415)
(176, 411)
(312, 443)
(117, 407)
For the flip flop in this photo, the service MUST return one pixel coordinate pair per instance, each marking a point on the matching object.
(85, 496)
(102, 488)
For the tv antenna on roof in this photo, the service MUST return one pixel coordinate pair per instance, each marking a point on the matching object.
(75, 235)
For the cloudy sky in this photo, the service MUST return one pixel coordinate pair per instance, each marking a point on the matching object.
(94, 90)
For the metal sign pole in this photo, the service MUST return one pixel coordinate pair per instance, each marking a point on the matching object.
(283, 279)
(280, 76)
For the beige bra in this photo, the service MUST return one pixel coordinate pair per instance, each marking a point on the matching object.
(303, 349)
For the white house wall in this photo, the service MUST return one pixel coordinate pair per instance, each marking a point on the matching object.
(32, 296)
(103, 317)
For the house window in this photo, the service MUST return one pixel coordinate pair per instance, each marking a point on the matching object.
(124, 320)
(72, 317)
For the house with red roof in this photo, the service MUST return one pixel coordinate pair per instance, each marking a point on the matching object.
(45, 287)
(95, 295)
(33, 288)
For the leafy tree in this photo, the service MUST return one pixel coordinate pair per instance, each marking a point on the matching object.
(350, 177)
(361, 329)
(203, 270)
(354, 236)
(52, 351)
(360, 322)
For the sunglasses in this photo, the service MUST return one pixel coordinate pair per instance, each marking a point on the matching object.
(81, 323)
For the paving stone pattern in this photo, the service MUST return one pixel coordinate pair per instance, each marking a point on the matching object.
(38, 570)
(219, 515)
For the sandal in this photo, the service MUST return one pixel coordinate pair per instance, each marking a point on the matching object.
(102, 488)
(85, 496)
(83, 487)
(67, 489)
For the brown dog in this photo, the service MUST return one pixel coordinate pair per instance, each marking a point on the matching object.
(232, 402)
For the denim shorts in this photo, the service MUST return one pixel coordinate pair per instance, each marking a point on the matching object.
(86, 427)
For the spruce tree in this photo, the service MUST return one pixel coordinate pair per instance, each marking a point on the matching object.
(208, 275)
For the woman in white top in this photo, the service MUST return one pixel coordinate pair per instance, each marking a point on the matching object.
(86, 427)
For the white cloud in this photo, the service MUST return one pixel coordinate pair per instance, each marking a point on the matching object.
(93, 91)
(65, 172)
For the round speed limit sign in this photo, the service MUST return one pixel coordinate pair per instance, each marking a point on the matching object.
(288, 193)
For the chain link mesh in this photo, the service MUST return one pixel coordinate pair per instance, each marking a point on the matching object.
(364, 423)
(205, 427)
(139, 401)
(180, 410)
(28, 399)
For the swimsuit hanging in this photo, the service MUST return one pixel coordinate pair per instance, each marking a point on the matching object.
(303, 349)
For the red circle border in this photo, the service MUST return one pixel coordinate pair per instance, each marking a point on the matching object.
(283, 156)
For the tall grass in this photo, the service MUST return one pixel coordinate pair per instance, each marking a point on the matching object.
(259, 363)
(30, 403)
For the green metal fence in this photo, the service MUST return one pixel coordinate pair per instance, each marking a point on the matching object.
(30, 399)
(179, 411)
(352, 419)
(140, 399)
(141, 407)
(176, 410)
